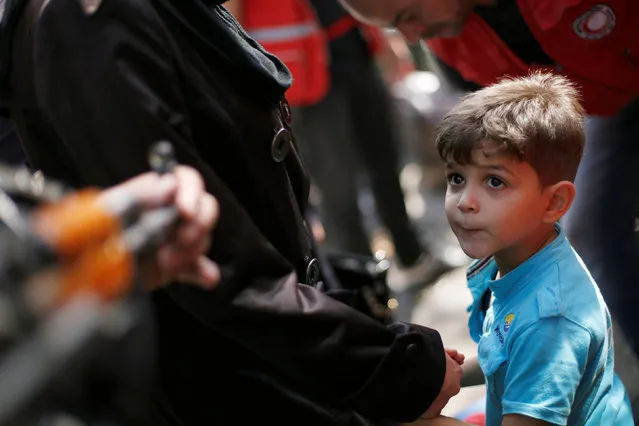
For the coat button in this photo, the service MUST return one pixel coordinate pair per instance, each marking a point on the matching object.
(287, 114)
(281, 145)
(411, 349)
(312, 272)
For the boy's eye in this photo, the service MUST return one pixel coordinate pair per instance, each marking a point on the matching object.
(455, 179)
(495, 182)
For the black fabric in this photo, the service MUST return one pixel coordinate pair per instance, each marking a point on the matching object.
(349, 53)
(10, 149)
(251, 65)
(12, 11)
(506, 20)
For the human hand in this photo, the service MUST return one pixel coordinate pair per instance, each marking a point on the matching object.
(450, 388)
(182, 256)
(456, 355)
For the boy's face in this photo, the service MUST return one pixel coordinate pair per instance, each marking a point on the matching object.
(494, 204)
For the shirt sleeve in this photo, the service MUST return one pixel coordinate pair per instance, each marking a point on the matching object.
(545, 366)
(111, 86)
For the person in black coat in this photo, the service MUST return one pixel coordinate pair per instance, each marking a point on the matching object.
(91, 84)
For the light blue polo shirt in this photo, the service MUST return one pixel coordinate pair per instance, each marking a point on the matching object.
(545, 344)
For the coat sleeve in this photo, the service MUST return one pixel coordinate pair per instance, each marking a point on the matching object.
(110, 86)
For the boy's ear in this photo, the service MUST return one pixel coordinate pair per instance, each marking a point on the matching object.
(560, 198)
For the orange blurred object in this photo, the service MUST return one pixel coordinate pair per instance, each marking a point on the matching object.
(76, 221)
(105, 270)
(89, 242)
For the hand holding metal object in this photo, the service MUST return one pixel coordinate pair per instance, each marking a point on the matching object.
(77, 296)
(95, 245)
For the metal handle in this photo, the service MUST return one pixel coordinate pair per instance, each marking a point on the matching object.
(153, 227)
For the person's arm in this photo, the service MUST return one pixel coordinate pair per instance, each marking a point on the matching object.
(110, 85)
(472, 374)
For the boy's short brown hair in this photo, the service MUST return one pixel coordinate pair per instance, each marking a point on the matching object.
(537, 119)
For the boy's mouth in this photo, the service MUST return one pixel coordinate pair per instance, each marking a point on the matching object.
(469, 230)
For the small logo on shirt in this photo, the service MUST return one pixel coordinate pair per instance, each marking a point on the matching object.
(508, 322)
(597, 23)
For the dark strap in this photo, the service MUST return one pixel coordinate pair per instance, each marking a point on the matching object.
(340, 27)
(506, 20)
(484, 303)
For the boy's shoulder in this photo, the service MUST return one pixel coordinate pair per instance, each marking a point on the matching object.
(566, 289)
(563, 287)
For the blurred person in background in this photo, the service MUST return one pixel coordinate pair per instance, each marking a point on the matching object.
(345, 123)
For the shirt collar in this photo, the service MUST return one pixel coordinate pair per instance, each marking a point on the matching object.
(481, 275)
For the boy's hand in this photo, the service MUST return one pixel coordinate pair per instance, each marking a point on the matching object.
(456, 355)
(450, 388)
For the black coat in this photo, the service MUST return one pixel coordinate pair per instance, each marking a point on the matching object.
(90, 93)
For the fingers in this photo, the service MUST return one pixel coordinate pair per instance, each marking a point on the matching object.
(191, 240)
(203, 273)
(148, 191)
(194, 231)
(459, 359)
(182, 256)
(152, 190)
(190, 190)
(456, 355)
(163, 189)
(174, 265)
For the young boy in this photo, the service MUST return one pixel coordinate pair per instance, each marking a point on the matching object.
(544, 332)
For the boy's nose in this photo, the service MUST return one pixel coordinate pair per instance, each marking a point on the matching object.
(468, 202)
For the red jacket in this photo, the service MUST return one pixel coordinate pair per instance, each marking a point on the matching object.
(289, 29)
(594, 44)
